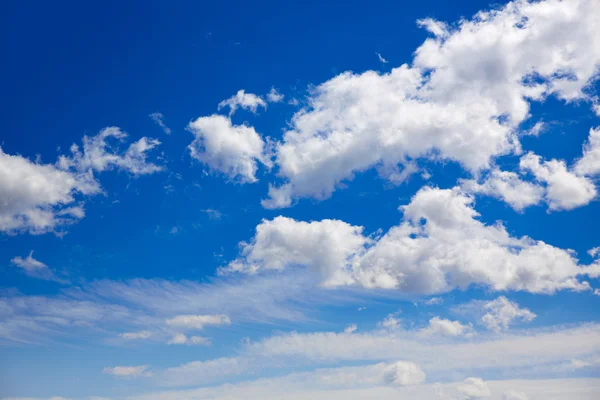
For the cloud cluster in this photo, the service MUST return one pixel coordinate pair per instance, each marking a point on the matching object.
(441, 107)
(439, 246)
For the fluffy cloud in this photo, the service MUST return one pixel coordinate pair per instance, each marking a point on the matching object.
(565, 190)
(502, 312)
(232, 150)
(474, 388)
(589, 164)
(443, 327)
(247, 101)
(439, 246)
(198, 321)
(274, 96)
(39, 198)
(35, 268)
(140, 370)
(507, 186)
(404, 373)
(441, 107)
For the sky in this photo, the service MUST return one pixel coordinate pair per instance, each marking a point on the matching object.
(300, 200)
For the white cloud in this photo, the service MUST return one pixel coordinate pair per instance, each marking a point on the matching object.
(136, 335)
(565, 190)
(441, 107)
(158, 118)
(35, 268)
(443, 254)
(247, 101)
(38, 198)
(589, 164)
(443, 327)
(181, 338)
(513, 395)
(127, 371)
(198, 321)
(202, 372)
(502, 312)
(474, 388)
(404, 373)
(98, 155)
(230, 149)
(350, 329)
(434, 301)
(381, 59)
(274, 96)
(507, 186)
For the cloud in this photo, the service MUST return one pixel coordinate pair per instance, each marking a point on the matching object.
(589, 163)
(202, 372)
(39, 198)
(403, 373)
(474, 388)
(35, 268)
(274, 96)
(350, 329)
(381, 59)
(440, 107)
(513, 395)
(180, 338)
(444, 327)
(247, 101)
(502, 312)
(508, 187)
(232, 150)
(198, 321)
(140, 370)
(565, 190)
(136, 335)
(98, 155)
(438, 247)
(158, 118)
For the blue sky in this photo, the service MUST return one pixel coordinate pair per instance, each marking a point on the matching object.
(300, 200)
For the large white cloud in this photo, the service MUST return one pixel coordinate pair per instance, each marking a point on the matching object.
(439, 246)
(232, 150)
(38, 198)
(441, 106)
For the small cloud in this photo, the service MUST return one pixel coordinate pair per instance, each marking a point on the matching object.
(361, 308)
(247, 101)
(133, 371)
(434, 301)
(136, 335)
(293, 101)
(35, 268)
(274, 96)
(198, 321)
(181, 338)
(213, 214)
(174, 230)
(158, 118)
(383, 60)
(350, 329)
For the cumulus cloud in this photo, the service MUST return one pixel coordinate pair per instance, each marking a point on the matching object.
(35, 268)
(441, 107)
(40, 198)
(158, 118)
(508, 187)
(589, 163)
(404, 373)
(439, 246)
(502, 312)
(274, 96)
(474, 388)
(198, 321)
(565, 189)
(127, 371)
(247, 101)
(443, 327)
(232, 150)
